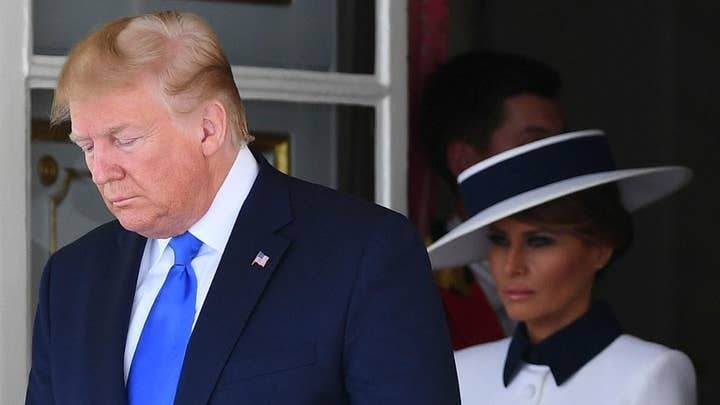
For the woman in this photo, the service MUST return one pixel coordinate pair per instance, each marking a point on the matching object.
(548, 217)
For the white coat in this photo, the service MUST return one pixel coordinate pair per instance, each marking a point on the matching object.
(630, 371)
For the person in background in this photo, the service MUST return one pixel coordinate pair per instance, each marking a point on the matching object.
(475, 106)
(222, 280)
(550, 216)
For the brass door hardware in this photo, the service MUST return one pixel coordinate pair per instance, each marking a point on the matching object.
(48, 172)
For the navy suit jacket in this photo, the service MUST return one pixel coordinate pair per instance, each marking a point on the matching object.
(345, 311)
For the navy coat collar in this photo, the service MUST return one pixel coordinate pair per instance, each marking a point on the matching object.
(569, 349)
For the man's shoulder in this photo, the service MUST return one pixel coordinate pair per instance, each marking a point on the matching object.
(333, 205)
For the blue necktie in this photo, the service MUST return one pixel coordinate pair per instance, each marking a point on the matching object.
(158, 359)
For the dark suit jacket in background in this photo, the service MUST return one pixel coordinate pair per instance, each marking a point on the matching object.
(345, 311)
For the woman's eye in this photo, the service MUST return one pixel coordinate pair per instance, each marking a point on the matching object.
(540, 241)
(497, 239)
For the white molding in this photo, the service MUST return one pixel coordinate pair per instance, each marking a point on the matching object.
(391, 113)
(15, 311)
(307, 86)
(44, 71)
(257, 83)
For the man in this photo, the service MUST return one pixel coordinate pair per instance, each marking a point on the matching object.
(222, 280)
(475, 106)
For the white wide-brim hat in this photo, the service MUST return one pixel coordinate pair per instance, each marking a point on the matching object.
(538, 172)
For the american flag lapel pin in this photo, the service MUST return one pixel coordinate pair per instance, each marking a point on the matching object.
(261, 259)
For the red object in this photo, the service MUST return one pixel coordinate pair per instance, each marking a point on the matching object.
(470, 318)
(427, 49)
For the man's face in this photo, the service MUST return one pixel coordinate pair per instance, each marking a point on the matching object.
(526, 118)
(147, 164)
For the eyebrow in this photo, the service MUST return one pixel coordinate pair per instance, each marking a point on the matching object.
(108, 132)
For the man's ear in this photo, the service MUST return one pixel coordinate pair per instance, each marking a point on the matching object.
(214, 127)
(460, 155)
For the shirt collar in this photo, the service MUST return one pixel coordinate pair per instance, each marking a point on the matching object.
(214, 228)
(567, 350)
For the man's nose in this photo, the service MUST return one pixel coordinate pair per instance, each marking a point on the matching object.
(103, 165)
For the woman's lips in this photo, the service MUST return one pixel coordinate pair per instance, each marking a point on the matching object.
(518, 293)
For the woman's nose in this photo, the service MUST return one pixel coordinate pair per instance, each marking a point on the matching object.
(515, 264)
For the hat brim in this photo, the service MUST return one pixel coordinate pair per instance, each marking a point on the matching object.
(638, 187)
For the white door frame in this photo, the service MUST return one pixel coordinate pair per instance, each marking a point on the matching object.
(386, 91)
(15, 40)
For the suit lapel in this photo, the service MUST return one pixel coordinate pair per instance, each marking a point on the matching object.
(238, 284)
(109, 315)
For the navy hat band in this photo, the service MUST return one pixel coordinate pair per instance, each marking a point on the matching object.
(536, 168)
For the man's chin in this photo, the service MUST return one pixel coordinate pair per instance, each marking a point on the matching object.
(148, 229)
(135, 225)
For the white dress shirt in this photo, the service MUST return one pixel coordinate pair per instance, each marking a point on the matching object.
(213, 229)
(630, 371)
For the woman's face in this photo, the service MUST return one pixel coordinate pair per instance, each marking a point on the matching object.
(544, 276)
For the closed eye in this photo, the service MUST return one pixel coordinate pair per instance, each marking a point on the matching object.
(86, 147)
(126, 141)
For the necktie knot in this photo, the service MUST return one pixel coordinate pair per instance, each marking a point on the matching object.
(185, 246)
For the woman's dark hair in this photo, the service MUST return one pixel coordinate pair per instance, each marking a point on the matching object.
(595, 215)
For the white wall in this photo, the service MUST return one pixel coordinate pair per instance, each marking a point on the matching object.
(14, 283)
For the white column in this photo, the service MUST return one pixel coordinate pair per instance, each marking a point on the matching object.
(391, 113)
(14, 222)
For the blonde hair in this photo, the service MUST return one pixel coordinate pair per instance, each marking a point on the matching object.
(179, 48)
